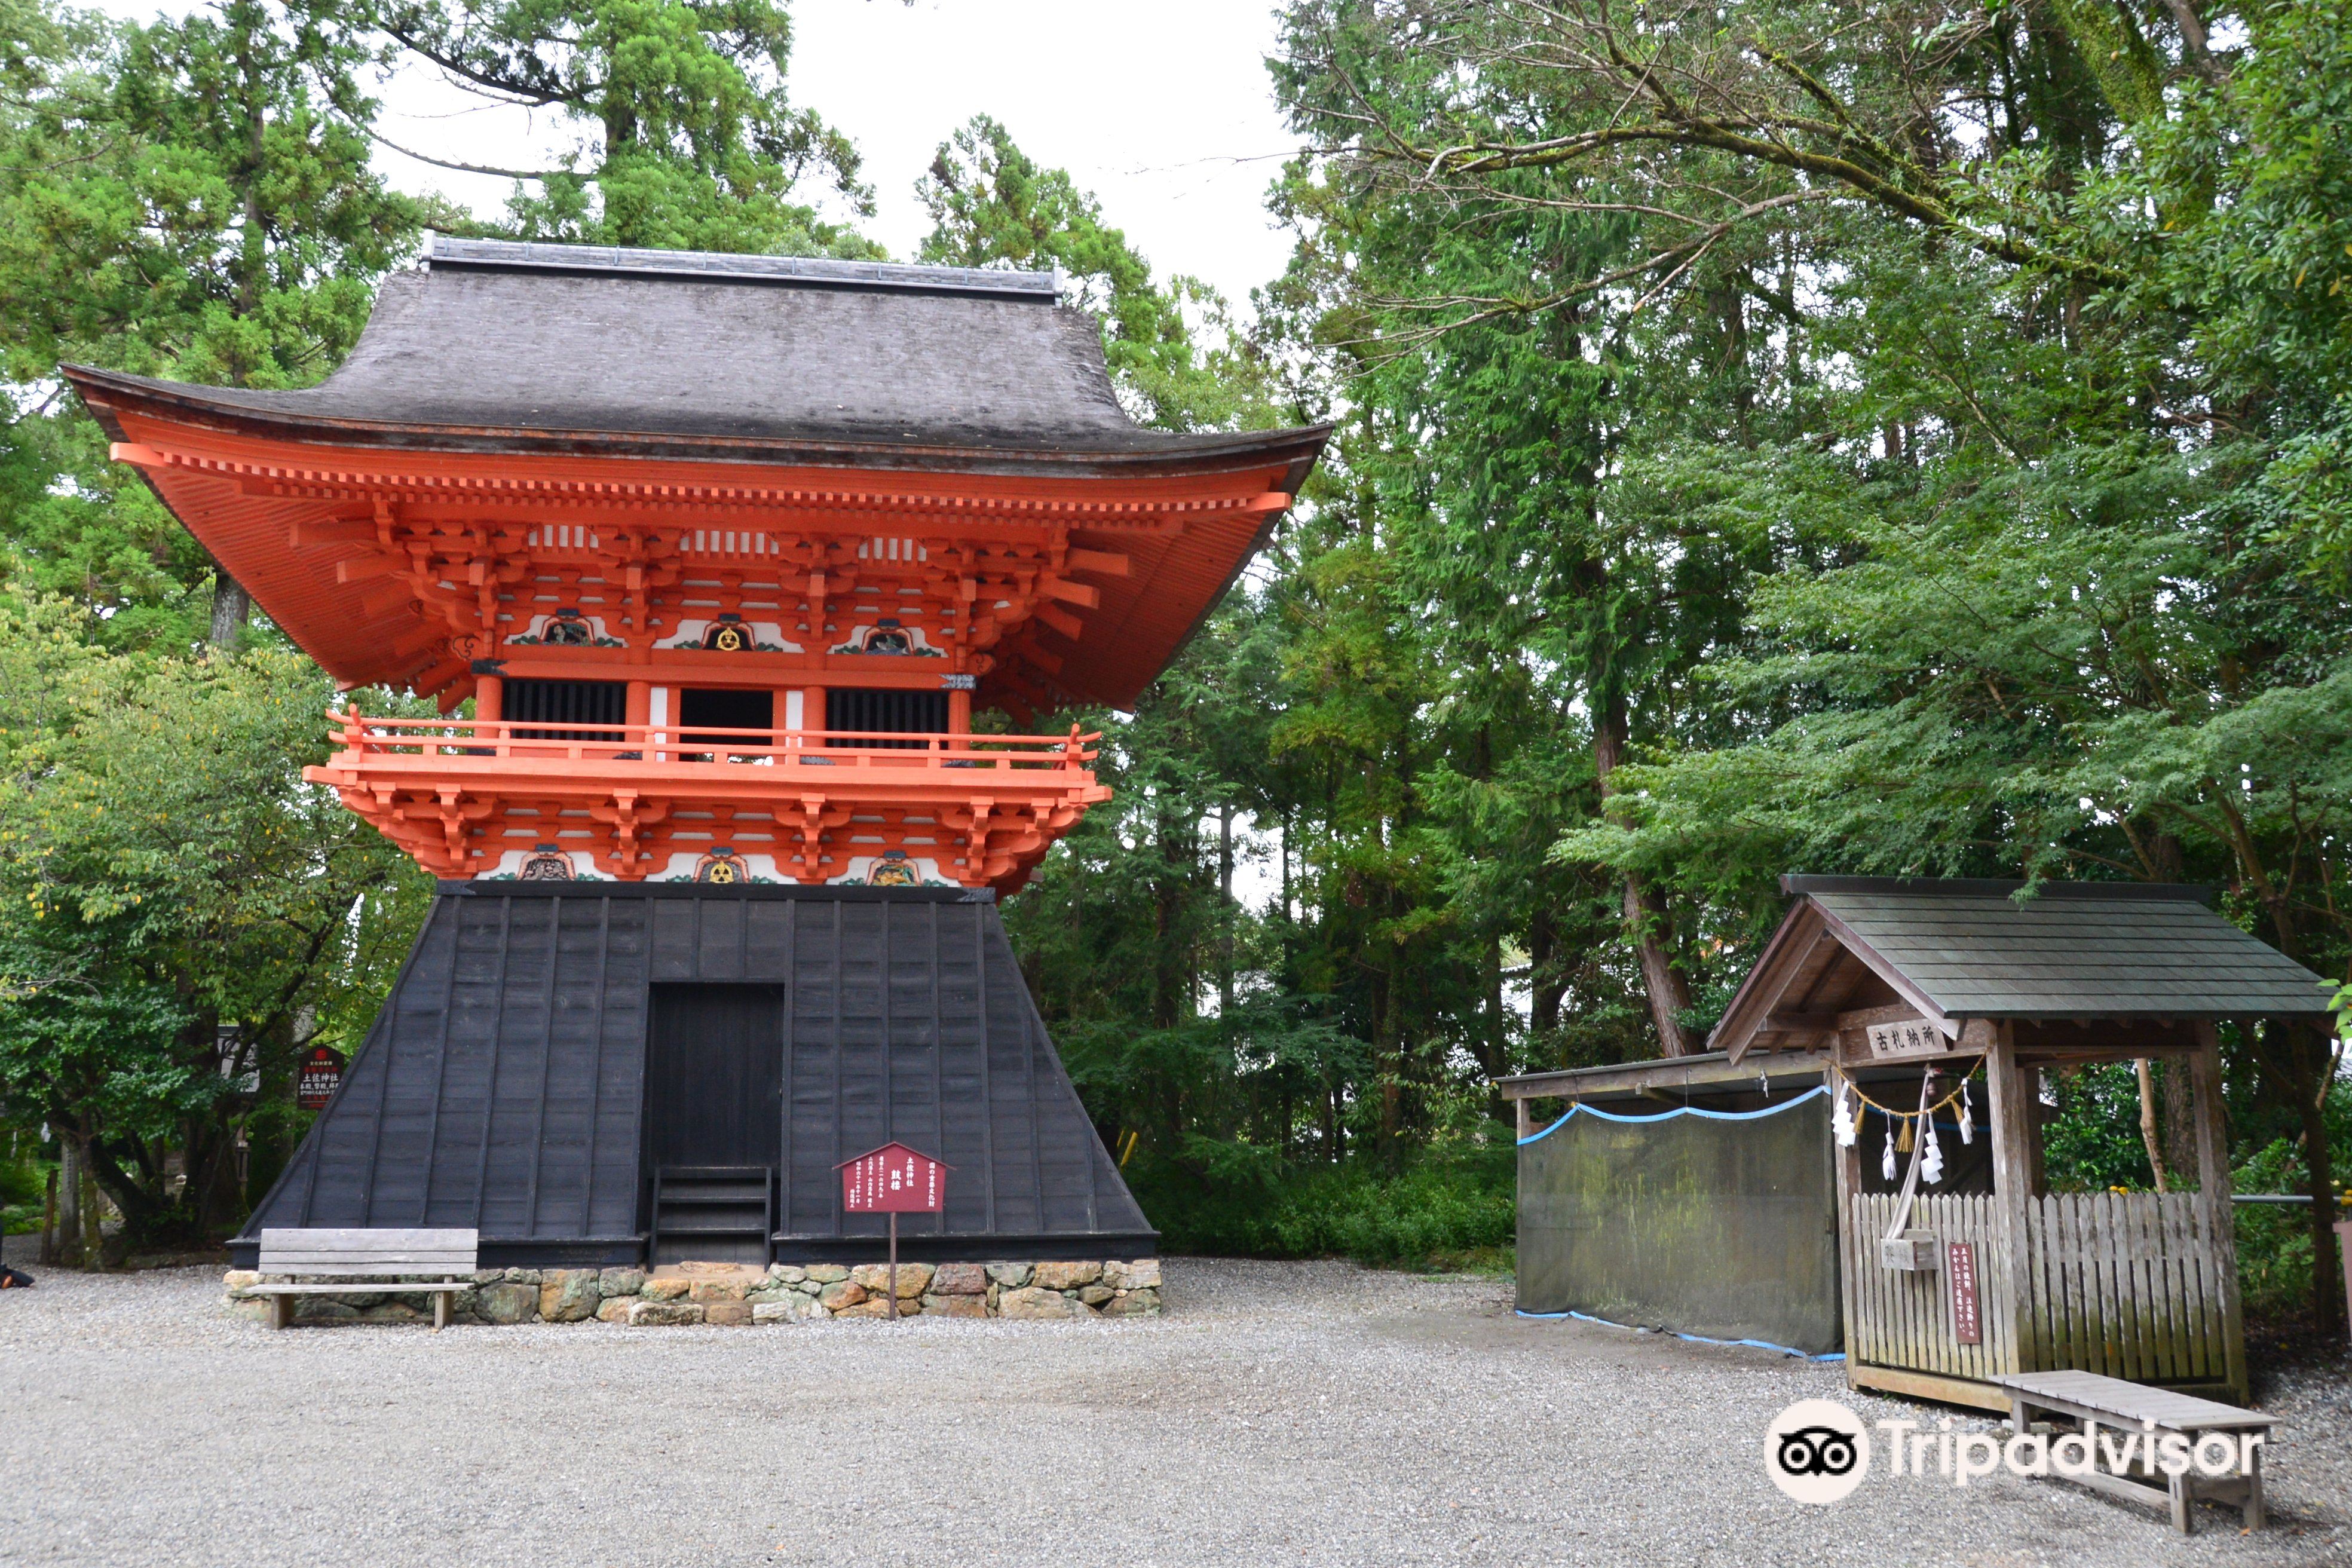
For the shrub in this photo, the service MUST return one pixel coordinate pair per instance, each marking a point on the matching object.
(1454, 1210)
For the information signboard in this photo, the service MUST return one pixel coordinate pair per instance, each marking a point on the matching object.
(893, 1180)
(322, 1075)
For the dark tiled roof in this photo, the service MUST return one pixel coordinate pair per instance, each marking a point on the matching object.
(2082, 948)
(497, 343)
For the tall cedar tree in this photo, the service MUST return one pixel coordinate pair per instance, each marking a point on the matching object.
(2028, 333)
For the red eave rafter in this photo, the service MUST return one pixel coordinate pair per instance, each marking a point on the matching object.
(363, 484)
(1208, 516)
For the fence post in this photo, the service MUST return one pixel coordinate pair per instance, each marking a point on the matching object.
(2213, 1196)
(2012, 1092)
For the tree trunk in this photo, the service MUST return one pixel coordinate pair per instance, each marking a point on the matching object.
(2149, 1136)
(2297, 1065)
(1387, 1053)
(69, 1169)
(1647, 923)
(1170, 988)
(1495, 1058)
(2319, 1161)
(232, 609)
(1225, 911)
(1544, 987)
(2176, 1123)
(1286, 868)
(1645, 917)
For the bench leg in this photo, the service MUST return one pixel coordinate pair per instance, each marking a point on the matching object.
(2019, 1417)
(281, 1311)
(2184, 1505)
(2256, 1518)
(440, 1311)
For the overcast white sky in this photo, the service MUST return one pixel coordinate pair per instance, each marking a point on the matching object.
(1163, 110)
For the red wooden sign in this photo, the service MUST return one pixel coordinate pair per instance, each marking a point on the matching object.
(322, 1075)
(1961, 1264)
(893, 1179)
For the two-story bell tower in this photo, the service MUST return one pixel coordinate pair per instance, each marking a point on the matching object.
(725, 553)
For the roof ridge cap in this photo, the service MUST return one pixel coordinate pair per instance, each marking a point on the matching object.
(1800, 885)
(446, 252)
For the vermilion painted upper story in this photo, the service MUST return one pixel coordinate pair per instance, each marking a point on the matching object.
(813, 502)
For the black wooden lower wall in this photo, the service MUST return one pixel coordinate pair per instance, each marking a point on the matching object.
(503, 1089)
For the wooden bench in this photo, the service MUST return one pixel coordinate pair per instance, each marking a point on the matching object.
(2096, 1400)
(382, 1253)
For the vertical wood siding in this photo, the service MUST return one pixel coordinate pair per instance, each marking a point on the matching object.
(2123, 1284)
(502, 1087)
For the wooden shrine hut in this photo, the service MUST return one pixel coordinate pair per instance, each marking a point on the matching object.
(1712, 1193)
(709, 562)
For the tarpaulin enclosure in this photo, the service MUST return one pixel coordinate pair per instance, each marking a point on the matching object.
(1716, 1223)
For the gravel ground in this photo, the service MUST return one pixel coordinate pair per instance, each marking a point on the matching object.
(1311, 1413)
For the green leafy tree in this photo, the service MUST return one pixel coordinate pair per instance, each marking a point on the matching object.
(689, 140)
(1170, 346)
(180, 915)
(188, 198)
(2031, 325)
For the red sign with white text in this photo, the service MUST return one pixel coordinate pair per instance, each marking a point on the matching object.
(322, 1075)
(1960, 1268)
(893, 1179)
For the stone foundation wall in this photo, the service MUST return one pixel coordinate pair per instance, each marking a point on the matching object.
(721, 1293)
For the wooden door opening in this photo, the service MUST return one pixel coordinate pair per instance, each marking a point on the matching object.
(714, 1130)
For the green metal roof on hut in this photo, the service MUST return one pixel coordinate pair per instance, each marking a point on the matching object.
(1954, 951)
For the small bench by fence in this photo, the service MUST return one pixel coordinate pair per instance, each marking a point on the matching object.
(2130, 1408)
(386, 1255)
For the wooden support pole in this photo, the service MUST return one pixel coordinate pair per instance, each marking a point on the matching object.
(2344, 1251)
(1846, 1180)
(2215, 1218)
(2012, 1107)
(490, 698)
(1527, 1118)
(894, 1265)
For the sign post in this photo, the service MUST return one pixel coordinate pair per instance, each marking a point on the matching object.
(893, 1180)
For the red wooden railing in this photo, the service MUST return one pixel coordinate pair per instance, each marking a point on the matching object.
(622, 745)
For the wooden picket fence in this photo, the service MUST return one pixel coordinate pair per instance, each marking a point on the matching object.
(1899, 1318)
(2128, 1285)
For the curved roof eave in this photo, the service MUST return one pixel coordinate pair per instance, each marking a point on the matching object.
(1164, 454)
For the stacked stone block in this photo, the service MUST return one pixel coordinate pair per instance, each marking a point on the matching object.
(785, 1293)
